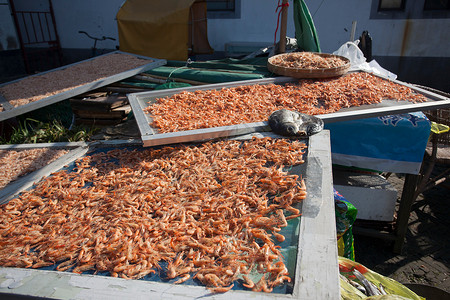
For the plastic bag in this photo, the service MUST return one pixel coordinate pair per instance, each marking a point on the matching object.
(351, 51)
(393, 289)
(358, 62)
(345, 217)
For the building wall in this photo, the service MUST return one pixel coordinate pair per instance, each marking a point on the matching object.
(98, 18)
(258, 22)
(414, 48)
(391, 37)
(8, 37)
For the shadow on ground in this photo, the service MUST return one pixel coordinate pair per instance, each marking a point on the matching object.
(425, 258)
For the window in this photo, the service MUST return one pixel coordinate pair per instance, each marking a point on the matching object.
(410, 9)
(219, 5)
(436, 5)
(391, 5)
(223, 9)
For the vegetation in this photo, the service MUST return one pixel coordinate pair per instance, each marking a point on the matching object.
(31, 131)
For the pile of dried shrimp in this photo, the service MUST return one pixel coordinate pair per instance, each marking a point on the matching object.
(40, 86)
(14, 164)
(212, 211)
(255, 103)
(307, 60)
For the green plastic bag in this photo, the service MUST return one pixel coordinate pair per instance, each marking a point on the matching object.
(345, 217)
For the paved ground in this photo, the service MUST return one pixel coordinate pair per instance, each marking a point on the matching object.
(426, 257)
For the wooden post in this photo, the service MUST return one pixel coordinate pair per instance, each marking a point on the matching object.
(284, 13)
(404, 211)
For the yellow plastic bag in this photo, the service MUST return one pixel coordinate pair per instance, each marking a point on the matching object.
(393, 289)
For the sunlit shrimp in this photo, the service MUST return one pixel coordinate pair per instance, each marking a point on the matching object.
(182, 279)
(279, 280)
(221, 289)
(248, 282)
(83, 268)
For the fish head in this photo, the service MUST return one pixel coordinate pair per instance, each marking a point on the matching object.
(291, 129)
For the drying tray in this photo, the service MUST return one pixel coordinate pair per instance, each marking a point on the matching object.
(309, 73)
(10, 111)
(76, 149)
(316, 273)
(150, 136)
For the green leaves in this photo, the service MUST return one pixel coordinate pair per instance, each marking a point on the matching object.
(32, 131)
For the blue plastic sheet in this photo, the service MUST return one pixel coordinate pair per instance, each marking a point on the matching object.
(394, 143)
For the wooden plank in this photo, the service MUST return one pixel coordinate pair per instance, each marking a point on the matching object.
(113, 115)
(97, 122)
(118, 113)
(103, 103)
(92, 94)
(317, 225)
(404, 210)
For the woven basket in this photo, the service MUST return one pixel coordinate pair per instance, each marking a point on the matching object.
(309, 73)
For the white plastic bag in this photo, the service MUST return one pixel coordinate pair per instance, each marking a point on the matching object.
(358, 61)
(351, 51)
(378, 70)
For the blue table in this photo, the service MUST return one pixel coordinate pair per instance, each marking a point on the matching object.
(394, 143)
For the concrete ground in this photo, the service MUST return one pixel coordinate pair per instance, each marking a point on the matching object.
(425, 258)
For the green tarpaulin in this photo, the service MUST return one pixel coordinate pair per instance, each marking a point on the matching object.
(305, 32)
(225, 70)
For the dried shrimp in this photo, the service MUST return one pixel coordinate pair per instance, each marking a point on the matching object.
(208, 212)
(37, 87)
(14, 164)
(255, 103)
(307, 60)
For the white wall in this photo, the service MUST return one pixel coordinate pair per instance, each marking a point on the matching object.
(96, 17)
(401, 37)
(333, 22)
(257, 24)
(8, 36)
